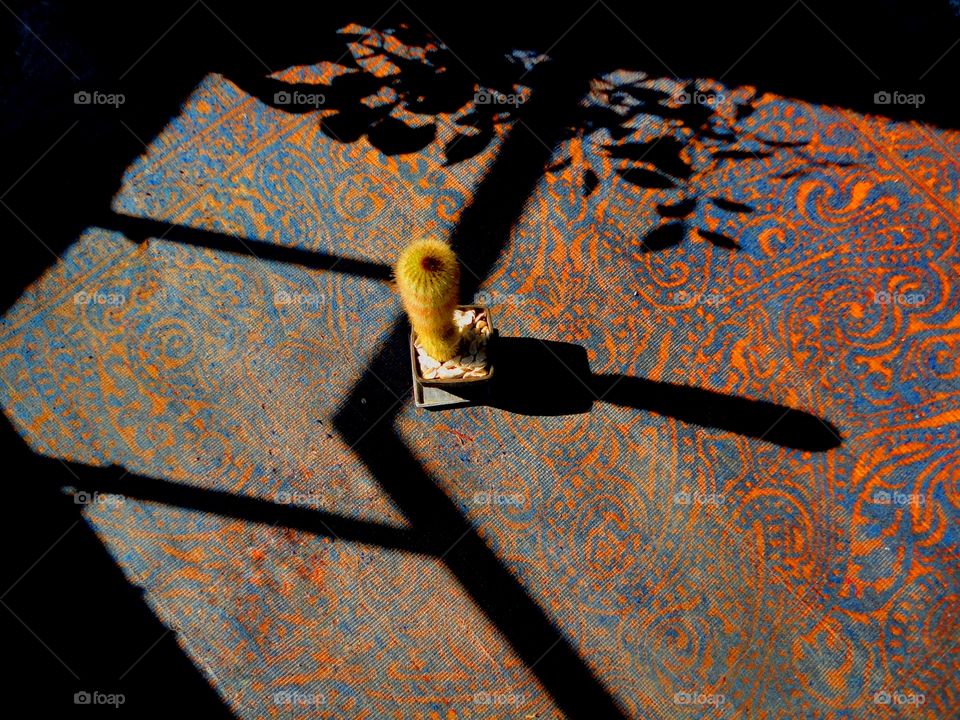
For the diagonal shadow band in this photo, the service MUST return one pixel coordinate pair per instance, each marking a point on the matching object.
(365, 419)
(143, 229)
(564, 385)
(312, 520)
(494, 589)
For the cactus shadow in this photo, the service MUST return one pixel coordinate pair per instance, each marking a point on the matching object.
(564, 385)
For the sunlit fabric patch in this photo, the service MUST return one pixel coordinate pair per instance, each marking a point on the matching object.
(692, 234)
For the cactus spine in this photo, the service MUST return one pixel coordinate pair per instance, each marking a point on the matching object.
(428, 278)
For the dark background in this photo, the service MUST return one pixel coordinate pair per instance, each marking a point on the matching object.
(75, 599)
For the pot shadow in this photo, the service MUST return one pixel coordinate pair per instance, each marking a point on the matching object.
(564, 385)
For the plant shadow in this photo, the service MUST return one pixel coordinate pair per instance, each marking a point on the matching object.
(564, 385)
(391, 84)
(679, 143)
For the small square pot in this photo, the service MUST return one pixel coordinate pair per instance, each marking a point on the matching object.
(454, 385)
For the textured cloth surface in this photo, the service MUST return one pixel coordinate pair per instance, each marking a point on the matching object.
(697, 572)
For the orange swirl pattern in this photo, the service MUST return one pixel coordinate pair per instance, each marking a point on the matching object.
(698, 573)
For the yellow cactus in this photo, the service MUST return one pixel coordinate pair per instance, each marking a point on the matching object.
(428, 278)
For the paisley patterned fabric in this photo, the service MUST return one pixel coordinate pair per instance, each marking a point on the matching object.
(697, 573)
